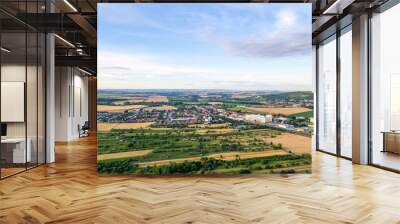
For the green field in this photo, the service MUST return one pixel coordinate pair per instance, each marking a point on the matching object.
(182, 142)
(308, 114)
(178, 143)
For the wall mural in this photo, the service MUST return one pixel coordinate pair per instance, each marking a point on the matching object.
(204, 89)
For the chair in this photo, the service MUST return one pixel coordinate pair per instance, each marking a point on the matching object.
(84, 130)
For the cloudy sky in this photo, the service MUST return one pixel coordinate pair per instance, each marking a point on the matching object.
(204, 46)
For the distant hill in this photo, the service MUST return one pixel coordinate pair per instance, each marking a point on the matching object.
(298, 95)
(168, 91)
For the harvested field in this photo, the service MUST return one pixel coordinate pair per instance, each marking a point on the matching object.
(106, 126)
(122, 102)
(157, 99)
(109, 126)
(278, 110)
(247, 155)
(223, 156)
(151, 99)
(120, 155)
(109, 108)
(296, 143)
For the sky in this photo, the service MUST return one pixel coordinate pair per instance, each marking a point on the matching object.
(253, 46)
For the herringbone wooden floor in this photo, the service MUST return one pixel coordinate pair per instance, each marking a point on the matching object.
(71, 191)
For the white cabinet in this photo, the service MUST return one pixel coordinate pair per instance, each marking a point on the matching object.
(19, 155)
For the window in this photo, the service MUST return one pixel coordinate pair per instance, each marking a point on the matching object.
(385, 89)
(346, 93)
(22, 94)
(327, 96)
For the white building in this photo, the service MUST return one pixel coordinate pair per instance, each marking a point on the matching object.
(268, 118)
(255, 118)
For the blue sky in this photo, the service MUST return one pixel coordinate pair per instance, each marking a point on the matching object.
(205, 46)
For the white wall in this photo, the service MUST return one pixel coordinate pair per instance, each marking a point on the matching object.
(71, 102)
(80, 110)
(62, 82)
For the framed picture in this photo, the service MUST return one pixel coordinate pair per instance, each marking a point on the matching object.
(210, 89)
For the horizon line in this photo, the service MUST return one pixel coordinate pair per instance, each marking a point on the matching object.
(246, 90)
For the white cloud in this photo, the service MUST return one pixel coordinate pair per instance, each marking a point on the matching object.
(286, 18)
(123, 70)
(126, 64)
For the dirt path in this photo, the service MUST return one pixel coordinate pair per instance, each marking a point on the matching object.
(224, 156)
(120, 155)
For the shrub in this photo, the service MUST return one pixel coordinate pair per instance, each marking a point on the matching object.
(291, 171)
(244, 171)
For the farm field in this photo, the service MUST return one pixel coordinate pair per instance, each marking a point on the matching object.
(123, 154)
(109, 126)
(150, 99)
(214, 131)
(307, 114)
(112, 108)
(208, 126)
(227, 156)
(287, 111)
(144, 149)
(296, 143)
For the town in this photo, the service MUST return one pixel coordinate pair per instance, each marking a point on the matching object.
(210, 112)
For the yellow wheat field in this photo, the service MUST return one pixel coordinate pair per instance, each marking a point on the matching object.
(112, 108)
(109, 126)
(296, 143)
(278, 110)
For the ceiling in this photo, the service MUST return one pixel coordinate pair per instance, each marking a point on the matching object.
(75, 22)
